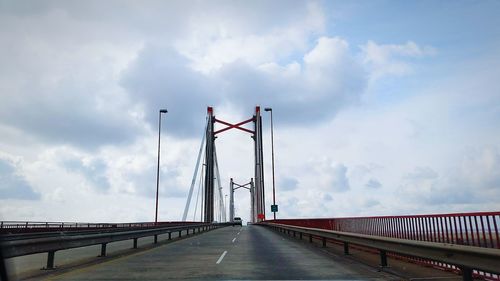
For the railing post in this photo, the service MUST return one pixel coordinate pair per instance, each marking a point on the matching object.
(310, 238)
(135, 243)
(103, 250)
(50, 260)
(170, 236)
(466, 274)
(324, 242)
(383, 258)
(180, 233)
(346, 248)
(156, 239)
(293, 233)
(300, 235)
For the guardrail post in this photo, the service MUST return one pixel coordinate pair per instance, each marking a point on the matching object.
(294, 234)
(156, 239)
(180, 233)
(346, 248)
(466, 273)
(50, 260)
(170, 236)
(103, 250)
(383, 258)
(300, 235)
(310, 238)
(135, 243)
(324, 242)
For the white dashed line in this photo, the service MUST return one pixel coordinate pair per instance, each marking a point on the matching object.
(233, 240)
(221, 257)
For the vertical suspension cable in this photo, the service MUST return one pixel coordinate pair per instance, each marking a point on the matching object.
(221, 200)
(200, 184)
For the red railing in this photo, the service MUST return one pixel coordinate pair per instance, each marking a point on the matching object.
(480, 229)
(28, 227)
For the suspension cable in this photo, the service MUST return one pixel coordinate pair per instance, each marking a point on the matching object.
(188, 202)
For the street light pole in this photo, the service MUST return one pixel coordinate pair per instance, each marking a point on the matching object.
(158, 166)
(268, 109)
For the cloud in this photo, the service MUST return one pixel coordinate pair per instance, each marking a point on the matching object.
(475, 180)
(389, 59)
(288, 183)
(422, 173)
(13, 185)
(338, 178)
(161, 78)
(62, 92)
(92, 169)
(332, 176)
(373, 183)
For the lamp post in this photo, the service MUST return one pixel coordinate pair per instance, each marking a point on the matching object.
(274, 209)
(158, 166)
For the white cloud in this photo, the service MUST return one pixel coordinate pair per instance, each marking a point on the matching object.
(389, 59)
(215, 42)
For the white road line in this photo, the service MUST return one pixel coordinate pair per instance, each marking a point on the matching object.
(221, 257)
(238, 233)
(233, 240)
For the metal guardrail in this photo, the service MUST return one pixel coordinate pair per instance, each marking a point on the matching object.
(475, 229)
(467, 258)
(7, 227)
(480, 229)
(17, 245)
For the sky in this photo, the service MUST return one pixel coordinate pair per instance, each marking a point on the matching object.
(379, 107)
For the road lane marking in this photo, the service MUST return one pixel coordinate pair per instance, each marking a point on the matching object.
(233, 240)
(221, 257)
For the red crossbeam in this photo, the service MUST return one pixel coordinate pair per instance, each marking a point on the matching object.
(234, 126)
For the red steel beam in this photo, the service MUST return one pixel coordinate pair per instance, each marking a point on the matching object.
(234, 126)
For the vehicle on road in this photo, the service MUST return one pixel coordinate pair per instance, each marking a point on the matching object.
(238, 221)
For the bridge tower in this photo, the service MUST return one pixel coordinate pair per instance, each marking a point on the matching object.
(257, 194)
(209, 170)
(250, 186)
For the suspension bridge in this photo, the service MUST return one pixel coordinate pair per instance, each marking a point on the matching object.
(206, 244)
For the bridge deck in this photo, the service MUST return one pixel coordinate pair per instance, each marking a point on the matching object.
(252, 252)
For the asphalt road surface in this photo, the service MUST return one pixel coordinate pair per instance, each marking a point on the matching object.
(249, 253)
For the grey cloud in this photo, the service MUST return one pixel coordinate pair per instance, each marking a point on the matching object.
(13, 185)
(338, 178)
(68, 114)
(94, 171)
(327, 197)
(373, 183)
(474, 181)
(144, 182)
(370, 203)
(288, 183)
(422, 173)
(161, 78)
